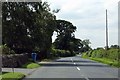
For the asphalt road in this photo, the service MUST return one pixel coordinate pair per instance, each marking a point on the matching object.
(75, 68)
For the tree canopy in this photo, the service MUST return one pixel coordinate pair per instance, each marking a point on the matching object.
(27, 26)
(66, 38)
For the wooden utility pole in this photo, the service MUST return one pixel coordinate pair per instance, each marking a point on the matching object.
(106, 31)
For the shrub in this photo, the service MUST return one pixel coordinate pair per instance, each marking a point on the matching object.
(30, 65)
(113, 54)
(100, 53)
(12, 76)
(7, 50)
(93, 53)
(89, 53)
(84, 54)
(61, 53)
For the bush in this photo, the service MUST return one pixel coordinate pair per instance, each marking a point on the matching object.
(110, 56)
(98, 53)
(113, 54)
(12, 76)
(89, 53)
(61, 53)
(84, 55)
(31, 65)
(7, 50)
(102, 53)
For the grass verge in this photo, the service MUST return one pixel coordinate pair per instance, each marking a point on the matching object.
(105, 61)
(31, 65)
(12, 76)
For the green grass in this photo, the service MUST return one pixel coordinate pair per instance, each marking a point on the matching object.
(105, 61)
(31, 65)
(0, 76)
(110, 57)
(12, 76)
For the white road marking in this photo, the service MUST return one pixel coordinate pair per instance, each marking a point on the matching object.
(86, 78)
(71, 59)
(78, 68)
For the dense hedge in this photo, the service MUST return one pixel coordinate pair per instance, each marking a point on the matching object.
(110, 56)
(102, 53)
(61, 53)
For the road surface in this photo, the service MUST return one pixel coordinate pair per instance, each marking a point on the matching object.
(72, 68)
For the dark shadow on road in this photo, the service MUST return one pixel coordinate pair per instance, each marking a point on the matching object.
(55, 79)
(76, 61)
(71, 79)
(71, 65)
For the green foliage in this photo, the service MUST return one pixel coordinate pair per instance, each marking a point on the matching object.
(31, 65)
(66, 39)
(7, 50)
(107, 61)
(85, 45)
(114, 46)
(61, 53)
(84, 55)
(102, 53)
(12, 76)
(110, 56)
(65, 36)
(113, 54)
(89, 53)
(99, 53)
(27, 26)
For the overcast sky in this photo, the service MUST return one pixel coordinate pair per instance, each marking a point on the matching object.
(89, 18)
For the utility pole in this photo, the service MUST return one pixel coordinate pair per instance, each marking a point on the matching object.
(106, 31)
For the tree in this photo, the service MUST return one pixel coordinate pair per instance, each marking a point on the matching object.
(114, 46)
(85, 46)
(27, 26)
(13, 25)
(76, 45)
(65, 35)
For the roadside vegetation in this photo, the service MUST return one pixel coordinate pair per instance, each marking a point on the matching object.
(12, 76)
(29, 27)
(61, 53)
(31, 65)
(110, 56)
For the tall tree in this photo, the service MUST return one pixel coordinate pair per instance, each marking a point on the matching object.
(76, 45)
(65, 33)
(14, 29)
(27, 26)
(86, 45)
